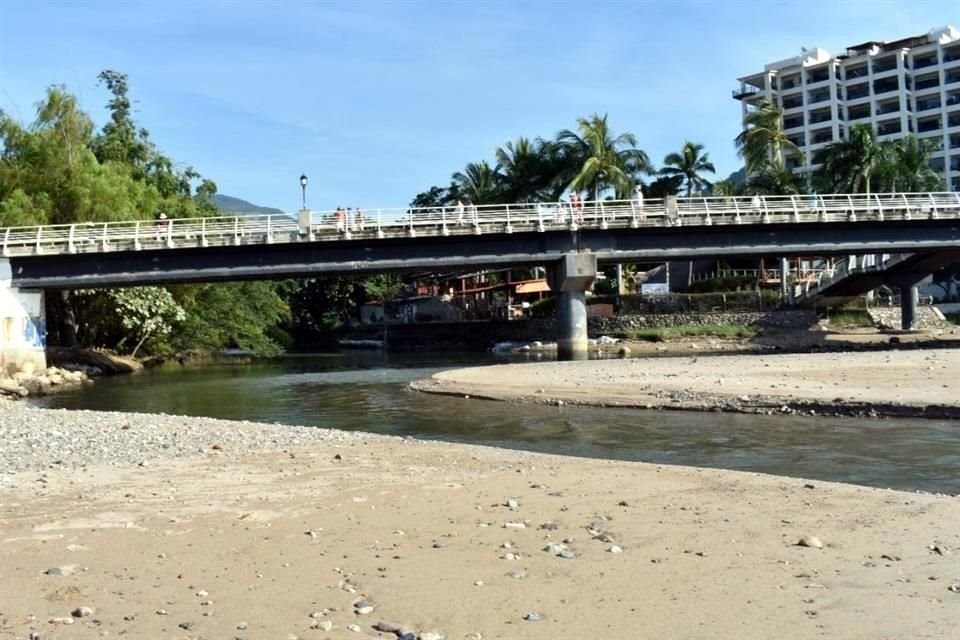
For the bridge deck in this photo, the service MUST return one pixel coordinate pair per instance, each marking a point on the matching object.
(329, 226)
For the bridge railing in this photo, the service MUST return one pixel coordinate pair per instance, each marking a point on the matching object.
(475, 219)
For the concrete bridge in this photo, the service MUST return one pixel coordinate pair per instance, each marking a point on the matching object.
(569, 240)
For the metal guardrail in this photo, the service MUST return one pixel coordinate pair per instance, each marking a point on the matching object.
(331, 226)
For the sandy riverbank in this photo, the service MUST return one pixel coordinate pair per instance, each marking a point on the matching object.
(169, 527)
(917, 382)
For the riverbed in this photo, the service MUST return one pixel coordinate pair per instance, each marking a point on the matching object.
(368, 391)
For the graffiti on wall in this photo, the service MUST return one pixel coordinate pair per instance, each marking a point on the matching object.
(35, 332)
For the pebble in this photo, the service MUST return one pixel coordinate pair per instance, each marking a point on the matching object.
(324, 625)
(353, 627)
(388, 627)
(810, 541)
(516, 575)
(432, 635)
(82, 612)
(567, 554)
(511, 504)
(554, 548)
(615, 549)
(533, 616)
(98, 438)
(242, 626)
(514, 525)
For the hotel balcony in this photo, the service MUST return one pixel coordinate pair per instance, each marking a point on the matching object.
(747, 91)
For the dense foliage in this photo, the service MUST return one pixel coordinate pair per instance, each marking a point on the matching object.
(60, 170)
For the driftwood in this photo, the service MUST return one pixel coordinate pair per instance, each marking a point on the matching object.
(108, 363)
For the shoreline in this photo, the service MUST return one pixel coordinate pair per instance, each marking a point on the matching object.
(889, 383)
(166, 526)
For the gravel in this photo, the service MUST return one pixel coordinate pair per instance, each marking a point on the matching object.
(34, 439)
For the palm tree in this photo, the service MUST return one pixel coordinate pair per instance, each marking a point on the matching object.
(479, 182)
(606, 161)
(689, 164)
(524, 169)
(763, 142)
(910, 170)
(850, 165)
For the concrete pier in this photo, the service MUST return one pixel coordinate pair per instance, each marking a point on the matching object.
(23, 335)
(570, 278)
(909, 298)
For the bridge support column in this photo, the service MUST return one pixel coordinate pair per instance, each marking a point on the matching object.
(23, 336)
(569, 279)
(909, 298)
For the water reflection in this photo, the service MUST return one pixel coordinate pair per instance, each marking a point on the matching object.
(367, 391)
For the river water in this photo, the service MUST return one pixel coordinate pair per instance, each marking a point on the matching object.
(366, 391)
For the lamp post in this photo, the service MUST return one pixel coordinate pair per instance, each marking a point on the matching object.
(303, 187)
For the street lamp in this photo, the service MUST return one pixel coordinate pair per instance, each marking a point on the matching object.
(303, 187)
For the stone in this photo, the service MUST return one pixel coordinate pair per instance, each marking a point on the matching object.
(61, 620)
(567, 554)
(810, 541)
(324, 625)
(353, 627)
(432, 635)
(242, 626)
(554, 548)
(615, 549)
(82, 612)
(533, 616)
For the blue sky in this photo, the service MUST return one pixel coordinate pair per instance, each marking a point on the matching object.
(377, 101)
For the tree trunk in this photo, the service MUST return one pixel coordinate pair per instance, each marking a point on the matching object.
(68, 330)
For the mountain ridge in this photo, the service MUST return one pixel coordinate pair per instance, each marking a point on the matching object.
(232, 204)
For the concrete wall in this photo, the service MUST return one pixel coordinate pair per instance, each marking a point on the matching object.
(23, 331)
(481, 335)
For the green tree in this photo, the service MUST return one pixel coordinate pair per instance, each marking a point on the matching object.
(606, 161)
(525, 168)
(763, 142)
(909, 170)
(240, 315)
(479, 182)
(146, 312)
(120, 141)
(852, 165)
(689, 164)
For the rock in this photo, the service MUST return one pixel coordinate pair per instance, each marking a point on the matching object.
(432, 635)
(516, 575)
(324, 625)
(511, 503)
(61, 620)
(362, 610)
(82, 612)
(567, 554)
(533, 616)
(810, 541)
(242, 626)
(615, 549)
(514, 525)
(554, 548)
(353, 627)
(186, 626)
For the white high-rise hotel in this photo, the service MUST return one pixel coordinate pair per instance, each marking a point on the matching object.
(908, 86)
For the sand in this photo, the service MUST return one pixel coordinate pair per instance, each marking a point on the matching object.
(449, 539)
(918, 382)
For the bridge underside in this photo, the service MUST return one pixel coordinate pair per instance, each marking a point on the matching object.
(344, 257)
(906, 271)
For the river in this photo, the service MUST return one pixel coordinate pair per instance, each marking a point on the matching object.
(366, 391)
